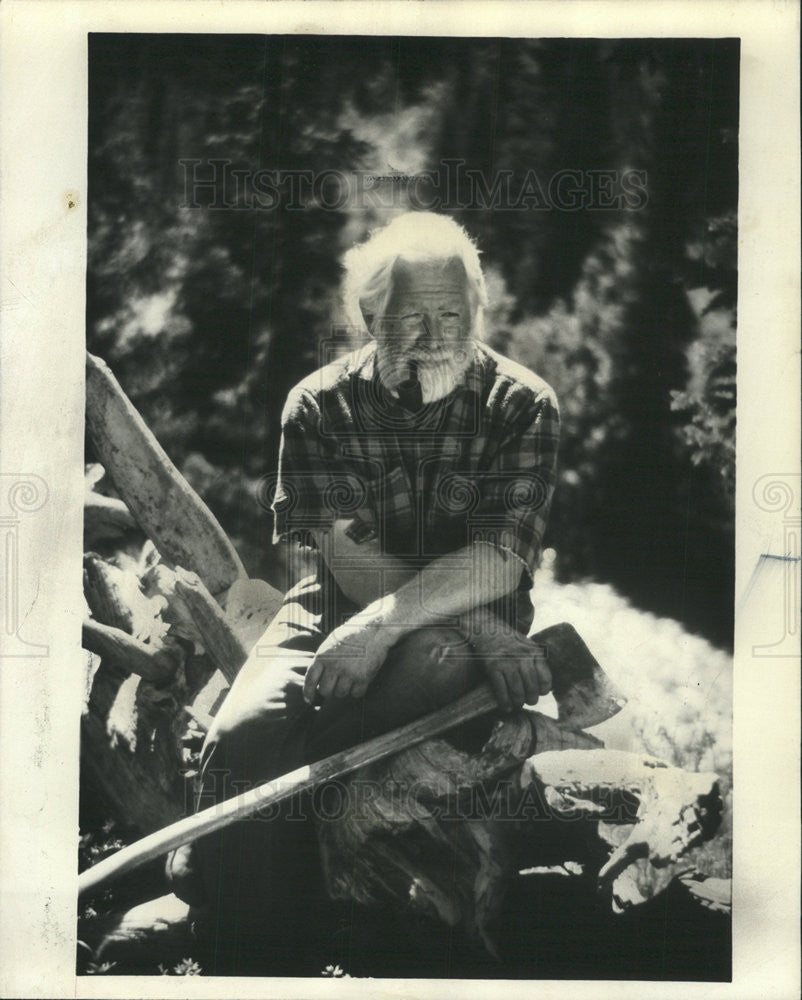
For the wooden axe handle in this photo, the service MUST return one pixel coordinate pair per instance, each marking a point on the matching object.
(475, 703)
(587, 699)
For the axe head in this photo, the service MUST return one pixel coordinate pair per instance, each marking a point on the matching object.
(585, 695)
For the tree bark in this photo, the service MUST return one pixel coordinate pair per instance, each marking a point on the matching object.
(153, 663)
(182, 527)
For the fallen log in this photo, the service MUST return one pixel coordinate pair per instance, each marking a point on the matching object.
(158, 930)
(180, 524)
(445, 831)
(154, 663)
(134, 747)
(440, 830)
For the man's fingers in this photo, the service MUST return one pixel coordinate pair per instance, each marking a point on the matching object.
(342, 687)
(515, 687)
(531, 682)
(499, 686)
(310, 683)
(327, 682)
(544, 675)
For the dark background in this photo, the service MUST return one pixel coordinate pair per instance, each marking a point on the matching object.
(208, 316)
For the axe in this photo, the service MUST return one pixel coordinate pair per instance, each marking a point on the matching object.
(584, 694)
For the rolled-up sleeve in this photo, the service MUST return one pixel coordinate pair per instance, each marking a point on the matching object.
(515, 494)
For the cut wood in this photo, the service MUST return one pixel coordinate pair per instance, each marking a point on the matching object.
(664, 812)
(156, 931)
(169, 511)
(115, 598)
(154, 663)
(218, 637)
(435, 826)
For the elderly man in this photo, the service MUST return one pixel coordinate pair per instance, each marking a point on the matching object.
(420, 468)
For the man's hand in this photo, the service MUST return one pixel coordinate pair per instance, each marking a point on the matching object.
(516, 668)
(348, 659)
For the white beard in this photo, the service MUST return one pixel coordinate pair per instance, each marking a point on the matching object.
(437, 378)
(437, 381)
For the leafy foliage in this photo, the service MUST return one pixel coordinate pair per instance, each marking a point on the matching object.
(99, 968)
(186, 967)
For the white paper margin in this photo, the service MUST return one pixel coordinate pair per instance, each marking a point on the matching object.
(43, 225)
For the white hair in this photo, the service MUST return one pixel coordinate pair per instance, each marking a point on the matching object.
(369, 266)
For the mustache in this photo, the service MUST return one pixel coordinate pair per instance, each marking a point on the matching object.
(431, 376)
(406, 364)
(424, 350)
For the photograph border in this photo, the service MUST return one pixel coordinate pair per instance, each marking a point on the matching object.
(43, 120)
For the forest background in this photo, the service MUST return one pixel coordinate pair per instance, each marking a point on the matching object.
(212, 281)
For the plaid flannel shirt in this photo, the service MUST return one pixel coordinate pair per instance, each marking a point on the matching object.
(477, 467)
